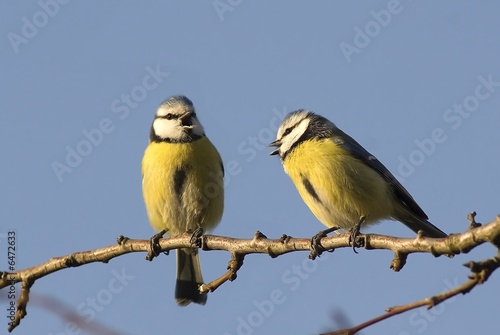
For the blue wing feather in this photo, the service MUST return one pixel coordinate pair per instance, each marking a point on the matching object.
(401, 194)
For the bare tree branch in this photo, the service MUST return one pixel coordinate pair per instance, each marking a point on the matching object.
(260, 244)
(481, 271)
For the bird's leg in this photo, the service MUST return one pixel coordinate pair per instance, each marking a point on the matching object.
(196, 237)
(316, 248)
(354, 234)
(154, 245)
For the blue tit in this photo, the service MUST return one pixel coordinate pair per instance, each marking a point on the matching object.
(339, 180)
(182, 183)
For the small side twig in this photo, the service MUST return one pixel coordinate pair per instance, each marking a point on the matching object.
(233, 266)
(22, 302)
(472, 220)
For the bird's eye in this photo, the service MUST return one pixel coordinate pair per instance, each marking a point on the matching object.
(287, 131)
(169, 116)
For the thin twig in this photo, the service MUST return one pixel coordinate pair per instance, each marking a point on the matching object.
(233, 266)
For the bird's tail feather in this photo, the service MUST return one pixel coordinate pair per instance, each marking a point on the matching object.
(417, 223)
(189, 278)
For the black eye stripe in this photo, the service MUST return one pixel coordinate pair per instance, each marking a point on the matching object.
(289, 130)
(168, 116)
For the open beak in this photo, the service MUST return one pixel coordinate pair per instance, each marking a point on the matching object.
(186, 120)
(276, 144)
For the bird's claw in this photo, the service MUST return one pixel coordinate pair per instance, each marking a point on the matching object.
(196, 238)
(316, 248)
(154, 245)
(354, 239)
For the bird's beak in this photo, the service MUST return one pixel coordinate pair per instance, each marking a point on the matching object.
(276, 144)
(186, 120)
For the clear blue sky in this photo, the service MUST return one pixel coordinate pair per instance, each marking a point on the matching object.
(415, 82)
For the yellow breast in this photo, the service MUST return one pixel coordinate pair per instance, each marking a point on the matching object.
(337, 187)
(183, 185)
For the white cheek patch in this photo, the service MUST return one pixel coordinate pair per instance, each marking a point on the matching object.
(164, 128)
(289, 140)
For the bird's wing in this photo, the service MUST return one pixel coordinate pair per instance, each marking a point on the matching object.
(348, 143)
